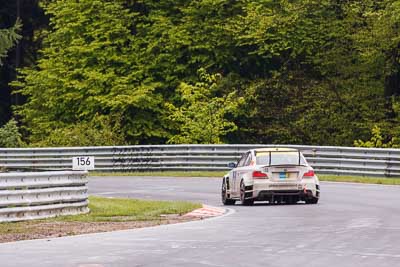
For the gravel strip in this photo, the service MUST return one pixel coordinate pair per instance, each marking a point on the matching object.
(43, 230)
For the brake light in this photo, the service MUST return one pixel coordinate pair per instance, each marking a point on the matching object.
(259, 175)
(310, 173)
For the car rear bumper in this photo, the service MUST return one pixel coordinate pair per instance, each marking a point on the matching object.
(269, 194)
(271, 190)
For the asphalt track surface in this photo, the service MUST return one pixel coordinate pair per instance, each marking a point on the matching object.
(353, 225)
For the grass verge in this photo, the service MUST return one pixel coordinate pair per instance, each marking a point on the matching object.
(123, 209)
(331, 178)
(360, 179)
(106, 214)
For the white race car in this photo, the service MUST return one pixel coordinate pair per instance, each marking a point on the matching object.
(277, 175)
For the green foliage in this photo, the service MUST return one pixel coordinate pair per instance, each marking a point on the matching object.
(376, 140)
(8, 38)
(387, 133)
(319, 72)
(201, 118)
(10, 135)
(315, 90)
(30, 15)
(88, 67)
(101, 131)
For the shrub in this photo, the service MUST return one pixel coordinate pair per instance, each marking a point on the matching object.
(101, 131)
(10, 135)
(378, 140)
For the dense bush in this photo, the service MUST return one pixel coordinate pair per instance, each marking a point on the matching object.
(10, 135)
(98, 132)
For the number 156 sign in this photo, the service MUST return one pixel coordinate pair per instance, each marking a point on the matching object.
(82, 163)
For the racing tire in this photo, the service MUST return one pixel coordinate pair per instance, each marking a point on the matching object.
(245, 202)
(224, 195)
(313, 200)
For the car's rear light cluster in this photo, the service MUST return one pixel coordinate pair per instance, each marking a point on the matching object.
(310, 173)
(259, 175)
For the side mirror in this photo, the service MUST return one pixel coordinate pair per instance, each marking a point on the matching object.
(232, 165)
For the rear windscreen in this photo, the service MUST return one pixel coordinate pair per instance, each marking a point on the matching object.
(280, 158)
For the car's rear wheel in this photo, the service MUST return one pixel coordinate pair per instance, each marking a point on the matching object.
(224, 195)
(313, 200)
(245, 202)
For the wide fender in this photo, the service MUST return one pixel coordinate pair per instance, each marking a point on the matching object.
(316, 180)
(248, 179)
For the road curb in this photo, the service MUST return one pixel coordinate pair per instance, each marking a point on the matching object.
(206, 212)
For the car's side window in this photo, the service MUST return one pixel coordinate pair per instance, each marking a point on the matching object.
(242, 160)
(248, 160)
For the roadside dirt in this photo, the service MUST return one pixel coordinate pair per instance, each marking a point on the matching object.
(42, 230)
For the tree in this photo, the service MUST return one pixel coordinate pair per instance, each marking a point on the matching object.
(88, 67)
(8, 38)
(34, 22)
(201, 118)
(308, 85)
(319, 72)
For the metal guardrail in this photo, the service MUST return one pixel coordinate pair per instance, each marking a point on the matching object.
(324, 159)
(26, 196)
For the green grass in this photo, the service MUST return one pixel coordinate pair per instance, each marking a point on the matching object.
(360, 179)
(121, 209)
(112, 210)
(332, 178)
